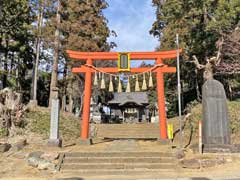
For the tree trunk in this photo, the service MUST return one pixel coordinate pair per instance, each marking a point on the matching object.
(17, 74)
(64, 88)
(38, 42)
(56, 55)
(70, 105)
(81, 104)
(70, 95)
(5, 68)
(70, 88)
(11, 70)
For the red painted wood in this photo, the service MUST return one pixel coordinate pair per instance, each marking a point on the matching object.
(114, 55)
(84, 69)
(161, 103)
(86, 104)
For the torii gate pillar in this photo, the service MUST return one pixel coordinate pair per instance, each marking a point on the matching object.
(87, 101)
(161, 103)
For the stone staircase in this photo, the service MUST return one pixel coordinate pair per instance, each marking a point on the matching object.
(126, 131)
(118, 163)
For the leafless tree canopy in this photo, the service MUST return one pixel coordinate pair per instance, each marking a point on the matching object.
(227, 59)
(230, 61)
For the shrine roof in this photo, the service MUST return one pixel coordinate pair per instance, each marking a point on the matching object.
(125, 97)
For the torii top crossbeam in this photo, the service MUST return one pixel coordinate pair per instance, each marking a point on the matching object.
(159, 56)
(114, 55)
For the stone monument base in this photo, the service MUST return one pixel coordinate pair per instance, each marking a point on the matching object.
(87, 142)
(55, 142)
(221, 148)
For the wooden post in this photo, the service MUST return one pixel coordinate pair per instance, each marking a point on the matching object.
(161, 103)
(87, 100)
(200, 145)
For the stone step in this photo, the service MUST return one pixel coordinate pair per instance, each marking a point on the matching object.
(128, 125)
(93, 172)
(134, 131)
(119, 163)
(118, 154)
(117, 160)
(116, 131)
(129, 130)
(129, 134)
(132, 126)
(140, 123)
(121, 136)
(140, 129)
(74, 166)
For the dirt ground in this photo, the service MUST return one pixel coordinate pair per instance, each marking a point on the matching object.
(13, 165)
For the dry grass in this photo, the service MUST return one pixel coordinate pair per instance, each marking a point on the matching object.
(196, 114)
(39, 122)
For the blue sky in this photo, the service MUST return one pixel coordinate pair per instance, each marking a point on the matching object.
(131, 20)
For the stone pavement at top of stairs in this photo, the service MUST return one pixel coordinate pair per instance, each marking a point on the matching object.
(109, 145)
(123, 145)
(120, 178)
(129, 178)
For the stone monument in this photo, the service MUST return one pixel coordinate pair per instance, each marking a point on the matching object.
(54, 139)
(215, 130)
(95, 114)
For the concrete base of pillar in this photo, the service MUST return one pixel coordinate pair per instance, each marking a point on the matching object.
(164, 141)
(55, 142)
(32, 104)
(85, 142)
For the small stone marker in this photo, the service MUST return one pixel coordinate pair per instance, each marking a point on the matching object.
(54, 119)
(215, 127)
(19, 144)
(54, 124)
(144, 119)
(4, 147)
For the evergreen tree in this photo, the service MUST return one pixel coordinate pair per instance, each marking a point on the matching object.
(16, 52)
(82, 27)
(56, 49)
(85, 29)
(200, 25)
(38, 7)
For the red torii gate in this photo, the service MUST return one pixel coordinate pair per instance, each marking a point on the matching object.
(89, 57)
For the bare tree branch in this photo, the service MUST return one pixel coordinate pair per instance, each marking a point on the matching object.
(196, 62)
